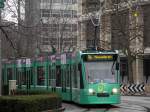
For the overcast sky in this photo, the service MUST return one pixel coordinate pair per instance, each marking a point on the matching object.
(10, 11)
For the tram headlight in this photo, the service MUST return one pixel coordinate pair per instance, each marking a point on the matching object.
(114, 90)
(91, 91)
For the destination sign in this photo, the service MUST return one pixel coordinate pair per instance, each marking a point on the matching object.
(98, 57)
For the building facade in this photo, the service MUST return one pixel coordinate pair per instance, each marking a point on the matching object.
(88, 23)
(67, 24)
(59, 27)
(126, 26)
(123, 26)
(57, 21)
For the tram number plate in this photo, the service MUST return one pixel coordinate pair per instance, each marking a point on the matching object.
(102, 94)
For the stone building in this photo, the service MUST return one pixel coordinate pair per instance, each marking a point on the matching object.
(88, 23)
(125, 26)
(57, 21)
(122, 25)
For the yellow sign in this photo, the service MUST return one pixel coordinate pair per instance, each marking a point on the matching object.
(100, 57)
(103, 57)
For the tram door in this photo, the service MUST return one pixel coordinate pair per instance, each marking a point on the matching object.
(41, 75)
(9, 74)
(19, 75)
(53, 78)
(28, 77)
(66, 82)
(24, 77)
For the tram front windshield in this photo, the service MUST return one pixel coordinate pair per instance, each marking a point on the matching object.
(102, 71)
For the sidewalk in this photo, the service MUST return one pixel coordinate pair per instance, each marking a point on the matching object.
(136, 99)
(138, 95)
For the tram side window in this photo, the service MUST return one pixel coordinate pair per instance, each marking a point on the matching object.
(81, 77)
(19, 76)
(49, 76)
(26, 76)
(29, 76)
(58, 76)
(10, 74)
(23, 76)
(40, 76)
(75, 76)
(68, 76)
(32, 73)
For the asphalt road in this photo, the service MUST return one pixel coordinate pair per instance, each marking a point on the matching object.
(128, 104)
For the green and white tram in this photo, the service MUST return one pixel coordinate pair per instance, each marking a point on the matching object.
(84, 77)
(100, 72)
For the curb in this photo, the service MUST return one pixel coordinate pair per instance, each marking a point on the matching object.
(56, 110)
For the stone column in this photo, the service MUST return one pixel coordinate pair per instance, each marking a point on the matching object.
(81, 39)
(82, 35)
(138, 71)
(136, 45)
(105, 31)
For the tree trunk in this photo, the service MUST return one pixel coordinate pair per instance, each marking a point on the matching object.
(130, 69)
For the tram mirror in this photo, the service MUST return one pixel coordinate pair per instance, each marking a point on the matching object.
(117, 66)
(115, 57)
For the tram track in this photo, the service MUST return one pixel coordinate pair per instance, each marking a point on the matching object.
(102, 109)
(117, 109)
(92, 108)
(148, 109)
(125, 107)
(137, 106)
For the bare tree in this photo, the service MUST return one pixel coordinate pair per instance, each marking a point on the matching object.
(59, 27)
(121, 27)
(127, 31)
(23, 34)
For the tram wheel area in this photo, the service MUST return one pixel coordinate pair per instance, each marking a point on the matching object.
(102, 107)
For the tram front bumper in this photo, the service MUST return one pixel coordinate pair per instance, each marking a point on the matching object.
(100, 99)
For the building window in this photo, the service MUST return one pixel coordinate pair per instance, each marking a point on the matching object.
(45, 13)
(66, 27)
(67, 1)
(56, 13)
(67, 13)
(40, 76)
(74, 27)
(45, 1)
(116, 1)
(45, 39)
(45, 27)
(74, 1)
(74, 13)
(54, 27)
(45, 43)
(56, 1)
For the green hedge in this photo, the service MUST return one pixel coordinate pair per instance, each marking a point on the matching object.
(32, 92)
(32, 103)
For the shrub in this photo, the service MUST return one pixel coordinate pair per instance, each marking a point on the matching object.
(32, 103)
(32, 92)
